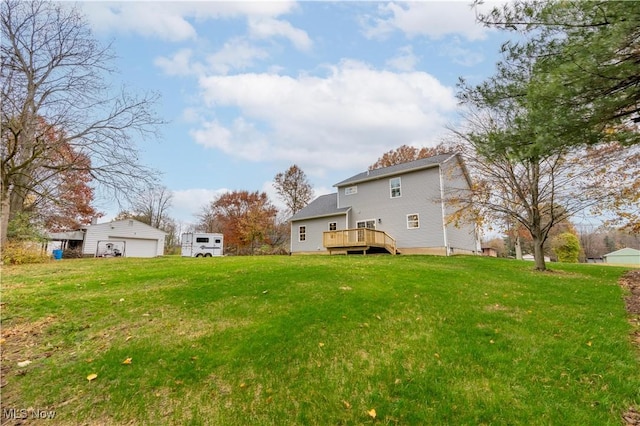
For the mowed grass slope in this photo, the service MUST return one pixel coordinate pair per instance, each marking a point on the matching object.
(318, 340)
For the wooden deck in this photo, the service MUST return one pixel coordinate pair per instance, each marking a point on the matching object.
(361, 239)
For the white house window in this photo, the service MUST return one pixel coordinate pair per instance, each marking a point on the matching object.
(351, 190)
(333, 226)
(413, 221)
(302, 233)
(394, 185)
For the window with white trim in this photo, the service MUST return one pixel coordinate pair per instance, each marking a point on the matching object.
(413, 221)
(302, 233)
(351, 190)
(394, 186)
(333, 226)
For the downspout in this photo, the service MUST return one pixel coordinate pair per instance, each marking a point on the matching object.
(444, 213)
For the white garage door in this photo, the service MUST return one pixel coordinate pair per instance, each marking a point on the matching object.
(140, 247)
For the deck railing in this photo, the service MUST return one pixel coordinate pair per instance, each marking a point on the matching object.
(358, 238)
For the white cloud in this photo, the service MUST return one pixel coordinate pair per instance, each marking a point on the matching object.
(179, 64)
(241, 139)
(461, 55)
(267, 27)
(188, 203)
(433, 19)
(342, 120)
(405, 60)
(170, 20)
(162, 20)
(236, 54)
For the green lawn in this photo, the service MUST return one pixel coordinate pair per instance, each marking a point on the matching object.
(317, 340)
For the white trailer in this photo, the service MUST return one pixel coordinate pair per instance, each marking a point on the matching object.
(202, 244)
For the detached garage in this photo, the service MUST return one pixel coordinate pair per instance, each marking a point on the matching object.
(625, 256)
(128, 238)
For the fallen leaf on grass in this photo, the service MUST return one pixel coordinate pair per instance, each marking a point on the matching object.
(24, 363)
(128, 338)
(91, 377)
(346, 404)
(589, 343)
(127, 361)
(372, 413)
(321, 344)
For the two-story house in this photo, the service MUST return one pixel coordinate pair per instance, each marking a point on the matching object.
(399, 209)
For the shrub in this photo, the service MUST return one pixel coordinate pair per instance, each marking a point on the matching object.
(73, 253)
(567, 247)
(21, 252)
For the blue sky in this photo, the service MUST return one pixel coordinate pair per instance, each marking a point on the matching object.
(250, 88)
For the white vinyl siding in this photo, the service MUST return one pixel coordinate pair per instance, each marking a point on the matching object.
(314, 231)
(141, 240)
(420, 195)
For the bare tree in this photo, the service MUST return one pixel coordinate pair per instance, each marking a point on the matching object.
(294, 189)
(541, 191)
(152, 206)
(54, 82)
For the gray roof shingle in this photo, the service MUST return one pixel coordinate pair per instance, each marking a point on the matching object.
(422, 163)
(324, 205)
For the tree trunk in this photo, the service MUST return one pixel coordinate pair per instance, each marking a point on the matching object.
(5, 210)
(538, 254)
(518, 248)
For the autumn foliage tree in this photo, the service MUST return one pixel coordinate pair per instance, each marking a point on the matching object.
(52, 191)
(406, 153)
(71, 204)
(293, 188)
(245, 218)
